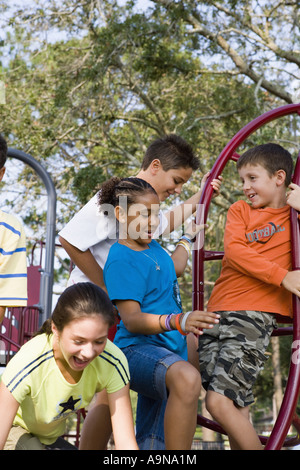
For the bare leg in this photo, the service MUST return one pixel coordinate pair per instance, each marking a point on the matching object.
(97, 428)
(235, 422)
(184, 384)
(193, 355)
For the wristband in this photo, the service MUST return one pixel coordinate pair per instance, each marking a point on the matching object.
(190, 237)
(177, 323)
(168, 320)
(184, 319)
(185, 245)
(185, 237)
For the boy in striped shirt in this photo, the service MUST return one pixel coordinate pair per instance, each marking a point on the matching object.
(13, 268)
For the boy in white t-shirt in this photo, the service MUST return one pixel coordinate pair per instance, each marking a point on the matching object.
(87, 238)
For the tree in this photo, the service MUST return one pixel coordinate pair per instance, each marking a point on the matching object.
(90, 84)
(252, 35)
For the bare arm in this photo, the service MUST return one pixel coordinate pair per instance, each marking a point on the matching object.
(122, 419)
(180, 255)
(178, 214)
(110, 412)
(138, 322)
(96, 429)
(8, 409)
(86, 262)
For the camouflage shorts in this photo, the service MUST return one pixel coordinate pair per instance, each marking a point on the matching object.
(232, 353)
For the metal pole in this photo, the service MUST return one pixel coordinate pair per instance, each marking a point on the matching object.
(45, 300)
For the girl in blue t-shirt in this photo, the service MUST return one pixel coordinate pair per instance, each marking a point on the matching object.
(141, 280)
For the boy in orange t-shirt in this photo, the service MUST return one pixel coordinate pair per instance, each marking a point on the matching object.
(256, 282)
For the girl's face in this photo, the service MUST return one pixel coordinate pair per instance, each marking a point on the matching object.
(141, 219)
(80, 342)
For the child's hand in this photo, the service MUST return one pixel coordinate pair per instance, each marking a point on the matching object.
(293, 197)
(199, 320)
(216, 183)
(193, 229)
(291, 282)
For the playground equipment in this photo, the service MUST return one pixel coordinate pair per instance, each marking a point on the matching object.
(19, 324)
(46, 280)
(286, 415)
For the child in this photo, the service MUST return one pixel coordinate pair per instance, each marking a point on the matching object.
(87, 238)
(255, 283)
(59, 371)
(141, 280)
(13, 268)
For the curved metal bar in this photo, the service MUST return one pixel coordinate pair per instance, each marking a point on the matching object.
(45, 301)
(227, 153)
(289, 403)
(287, 410)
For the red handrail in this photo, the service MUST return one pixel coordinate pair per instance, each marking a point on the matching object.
(287, 410)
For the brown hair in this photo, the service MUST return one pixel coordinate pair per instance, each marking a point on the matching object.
(172, 151)
(78, 301)
(272, 157)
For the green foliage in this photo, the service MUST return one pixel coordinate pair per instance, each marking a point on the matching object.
(90, 84)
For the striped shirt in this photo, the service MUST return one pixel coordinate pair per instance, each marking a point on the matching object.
(13, 268)
(46, 399)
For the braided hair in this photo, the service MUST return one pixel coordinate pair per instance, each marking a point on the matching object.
(114, 189)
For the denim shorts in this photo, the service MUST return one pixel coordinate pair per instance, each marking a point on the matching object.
(148, 365)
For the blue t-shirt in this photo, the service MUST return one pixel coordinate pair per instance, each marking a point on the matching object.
(133, 275)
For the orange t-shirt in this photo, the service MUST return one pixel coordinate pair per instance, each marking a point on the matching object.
(257, 256)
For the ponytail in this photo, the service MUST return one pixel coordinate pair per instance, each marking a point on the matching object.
(45, 328)
(79, 301)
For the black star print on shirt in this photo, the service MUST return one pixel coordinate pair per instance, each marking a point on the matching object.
(69, 405)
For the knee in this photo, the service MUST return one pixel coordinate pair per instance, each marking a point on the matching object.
(185, 381)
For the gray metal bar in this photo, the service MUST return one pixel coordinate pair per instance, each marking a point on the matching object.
(45, 301)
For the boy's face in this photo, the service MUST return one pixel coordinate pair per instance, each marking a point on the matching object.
(262, 189)
(171, 181)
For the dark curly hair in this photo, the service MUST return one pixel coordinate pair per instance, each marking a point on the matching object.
(114, 189)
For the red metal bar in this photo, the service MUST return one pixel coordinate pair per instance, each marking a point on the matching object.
(289, 403)
(287, 411)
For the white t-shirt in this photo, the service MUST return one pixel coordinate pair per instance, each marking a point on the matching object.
(91, 229)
